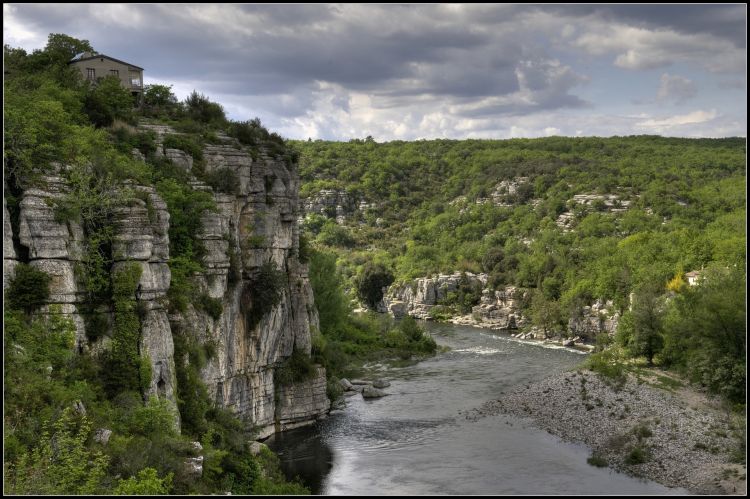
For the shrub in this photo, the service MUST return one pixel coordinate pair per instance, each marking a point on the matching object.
(224, 180)
(637, 455)
(212, 306)
(184, 143)
(298, 367)
(28, 290)
(201, 109)
(372, 280)
(147, 483)
(108, 101)
(598, 461)
(608, 366)
(262, 292)
(61, 463)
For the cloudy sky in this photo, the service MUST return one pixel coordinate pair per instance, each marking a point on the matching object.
(427, 71)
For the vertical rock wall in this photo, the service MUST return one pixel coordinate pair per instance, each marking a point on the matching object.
(256, 226)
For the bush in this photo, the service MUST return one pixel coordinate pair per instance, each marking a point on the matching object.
(224, 180)
(262, 292)
(608, 365)
(108, 101)
(147, 483)
(201, 109)
(637, 455)
(28, 290)
(372, 280)
(212, 306)
(598, 461)
(297, 368)
(184, 143)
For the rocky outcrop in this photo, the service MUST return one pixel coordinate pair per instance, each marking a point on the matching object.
(590, 321)
(500, 308)
(333, 203)
(418, 297)
(256, 226)
(9, 253)
(142, 236)
(53, 246)
(297, 402)
(250, 229)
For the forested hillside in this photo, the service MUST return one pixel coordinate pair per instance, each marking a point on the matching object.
(572, 220)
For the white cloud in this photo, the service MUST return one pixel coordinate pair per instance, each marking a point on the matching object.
(640, 48)
(680, 120)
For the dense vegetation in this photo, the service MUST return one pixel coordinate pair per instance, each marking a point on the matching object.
(58, 400)
(658, 207)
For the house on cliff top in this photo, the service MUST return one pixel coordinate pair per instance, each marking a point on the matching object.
(93, 66)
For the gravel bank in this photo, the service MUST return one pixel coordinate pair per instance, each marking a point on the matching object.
(679, 439)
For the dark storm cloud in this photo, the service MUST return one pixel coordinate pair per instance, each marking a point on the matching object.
(446, 69)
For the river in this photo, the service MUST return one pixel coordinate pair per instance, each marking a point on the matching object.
(418, 441)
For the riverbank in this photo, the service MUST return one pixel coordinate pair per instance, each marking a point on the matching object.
(533, 335)
(673, 435)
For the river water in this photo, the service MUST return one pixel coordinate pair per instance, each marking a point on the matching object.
(418, 441)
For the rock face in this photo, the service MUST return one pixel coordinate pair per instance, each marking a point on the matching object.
(418, 297)
(601, 317)
(53, 247)
(333, 203)
(9, 253)
(256, 226)
(500, 308)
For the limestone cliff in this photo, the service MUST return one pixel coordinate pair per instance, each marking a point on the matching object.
(254, 226)
(417, 298)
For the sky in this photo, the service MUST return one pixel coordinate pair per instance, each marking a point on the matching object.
(414, 71)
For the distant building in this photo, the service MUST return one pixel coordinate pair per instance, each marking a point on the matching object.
(94, 66)
(693, 277)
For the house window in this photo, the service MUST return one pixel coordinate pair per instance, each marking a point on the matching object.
(90, 74)
(135, 79)
(114, 72)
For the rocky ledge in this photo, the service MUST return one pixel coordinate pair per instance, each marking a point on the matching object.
(678, 438)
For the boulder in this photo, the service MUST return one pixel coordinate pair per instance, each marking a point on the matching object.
(345, 384)
(102, 435)
(380, 383)
(370, 393)
(360, 382)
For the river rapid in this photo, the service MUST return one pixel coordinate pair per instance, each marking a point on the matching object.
(417, 440)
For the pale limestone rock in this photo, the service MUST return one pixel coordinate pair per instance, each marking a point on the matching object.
(370, 392)
(180, 158)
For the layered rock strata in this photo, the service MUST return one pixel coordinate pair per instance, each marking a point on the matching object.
(417, 298)
(256, 226)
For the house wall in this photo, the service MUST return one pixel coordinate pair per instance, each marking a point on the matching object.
(102, 66)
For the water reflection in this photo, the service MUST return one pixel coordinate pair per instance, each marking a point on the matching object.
(304, 453)
(417, 440)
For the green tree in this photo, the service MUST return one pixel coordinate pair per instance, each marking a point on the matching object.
(705, 330)
(108, 101)
(61, 463)
(328, 292)
(641, 329)
(545, 312)
(373, 279)
(28, 289)
(147, 483)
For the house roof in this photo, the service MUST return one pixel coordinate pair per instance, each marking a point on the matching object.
(693, 273)
(80, 57)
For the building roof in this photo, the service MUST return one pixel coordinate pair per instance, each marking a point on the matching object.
(87, 56)
(693, 273)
